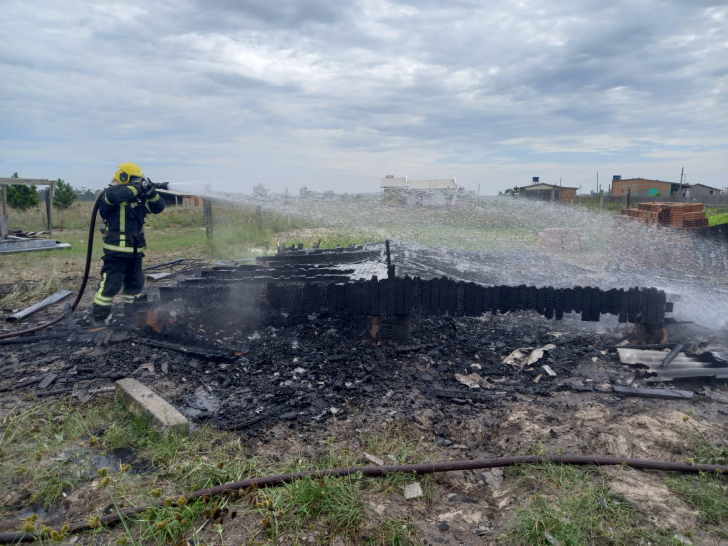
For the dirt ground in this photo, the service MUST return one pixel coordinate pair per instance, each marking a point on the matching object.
(288, 391)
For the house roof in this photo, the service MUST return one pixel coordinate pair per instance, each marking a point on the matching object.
(443, 183)
(542, 185)
(705, 186)
(632, 180)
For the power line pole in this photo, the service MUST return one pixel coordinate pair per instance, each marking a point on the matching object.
(679, 191)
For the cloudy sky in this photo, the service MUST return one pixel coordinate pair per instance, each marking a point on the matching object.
(333, 95)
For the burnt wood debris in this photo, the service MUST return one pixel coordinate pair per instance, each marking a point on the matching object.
(296, 282)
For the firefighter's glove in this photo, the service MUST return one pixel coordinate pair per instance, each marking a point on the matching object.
(148, 188)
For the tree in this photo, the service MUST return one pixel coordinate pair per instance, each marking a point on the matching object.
(260, 191)
(64, 195)
(303, 191)
(85, 194)
(514, 191)
(22, 197)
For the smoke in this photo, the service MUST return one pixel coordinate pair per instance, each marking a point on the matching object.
(496, 240)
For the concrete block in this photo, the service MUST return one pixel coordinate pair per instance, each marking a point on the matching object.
(140, 399)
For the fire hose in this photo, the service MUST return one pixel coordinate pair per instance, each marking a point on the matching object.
(377, 471)
(84, 281)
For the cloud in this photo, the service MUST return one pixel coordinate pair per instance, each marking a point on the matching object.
(316, 92)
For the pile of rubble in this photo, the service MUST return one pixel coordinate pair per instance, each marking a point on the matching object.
(302, 341)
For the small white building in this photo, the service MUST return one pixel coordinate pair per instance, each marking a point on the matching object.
(403, 192)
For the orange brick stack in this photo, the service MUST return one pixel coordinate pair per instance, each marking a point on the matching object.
(675, 215)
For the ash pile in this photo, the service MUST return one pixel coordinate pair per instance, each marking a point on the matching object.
(313, 334)
(308, 335)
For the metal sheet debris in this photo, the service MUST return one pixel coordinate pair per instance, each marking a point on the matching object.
(31, 245)
(50, 300)
(654, 393)
(654, 359)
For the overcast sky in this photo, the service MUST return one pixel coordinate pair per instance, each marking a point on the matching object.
(336, 94)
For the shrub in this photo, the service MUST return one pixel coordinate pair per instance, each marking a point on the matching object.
(22, 197)
(64, 195)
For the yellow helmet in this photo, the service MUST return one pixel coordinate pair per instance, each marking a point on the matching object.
(127, 172)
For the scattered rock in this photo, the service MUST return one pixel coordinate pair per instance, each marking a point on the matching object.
(413, 491)
(374, 459)
(459, 497)
(493, 478)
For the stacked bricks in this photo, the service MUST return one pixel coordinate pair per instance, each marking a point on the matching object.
(675, 215)
(445, 296)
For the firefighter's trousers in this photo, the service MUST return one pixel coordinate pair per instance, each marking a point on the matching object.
(116, 272)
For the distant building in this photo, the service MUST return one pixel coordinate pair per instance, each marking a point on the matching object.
(402, 192)
(548, 192)
(174, 197)
(698, 191)
(643, 187)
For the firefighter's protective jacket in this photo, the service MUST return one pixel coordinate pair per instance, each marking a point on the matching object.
(123, 210)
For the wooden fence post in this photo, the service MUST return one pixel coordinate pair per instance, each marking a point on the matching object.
(207, 213)
(4, 218)
(49, 208)
(601, 200)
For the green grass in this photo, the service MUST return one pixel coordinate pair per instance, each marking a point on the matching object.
(708, 493)
(718, 219)
(573, 506)
(32, 439)
(333, 503)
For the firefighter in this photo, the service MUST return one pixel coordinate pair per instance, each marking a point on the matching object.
(125, 204)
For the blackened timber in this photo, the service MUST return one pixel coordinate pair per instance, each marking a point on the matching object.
(513, 299)
(425, 287)
(383, 297)
(549, 303)
(434, 296)
(623, 305)
(374, 296)
(540, 300)
(461, 297)
(391, 296)
(469, 299)
(578, 301)
(356, 293)
(496, 302)
(478, 300)
(366, 304)
(523, 297)
(408, 294)
(634, 304)
(568, 300)
(586, 303)
(559, 304)
(452, 300)
(487, 299)
(399, 296)
(531, 296)
(444, 294)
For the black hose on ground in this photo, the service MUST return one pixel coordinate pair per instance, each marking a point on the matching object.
(376, 471)
(89, 251)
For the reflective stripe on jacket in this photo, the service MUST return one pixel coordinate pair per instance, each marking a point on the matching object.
(123, 213)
